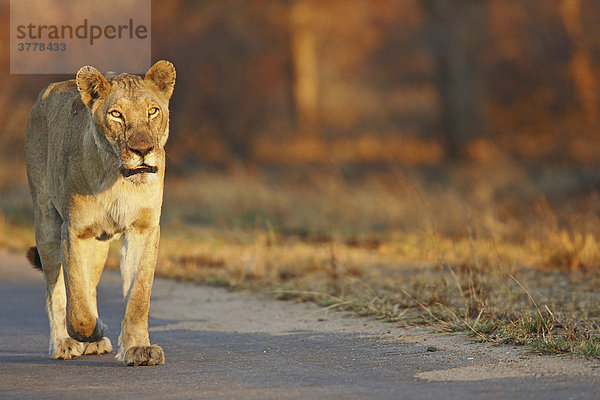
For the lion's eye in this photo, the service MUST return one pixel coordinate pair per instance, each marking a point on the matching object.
(115, 113)
(153, 112)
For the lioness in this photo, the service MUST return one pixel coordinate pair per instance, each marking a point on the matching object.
(96, 165)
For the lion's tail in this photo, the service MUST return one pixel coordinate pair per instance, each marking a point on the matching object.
(34, 258)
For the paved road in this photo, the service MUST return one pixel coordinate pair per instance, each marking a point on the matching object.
(225, 345)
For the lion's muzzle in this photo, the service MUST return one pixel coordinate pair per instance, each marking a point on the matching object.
(139, 156)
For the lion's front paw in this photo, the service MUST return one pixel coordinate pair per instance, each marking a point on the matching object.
(66, 348)
(144, 355)
(101, 347)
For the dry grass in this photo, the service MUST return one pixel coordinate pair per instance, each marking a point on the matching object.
(506, 254)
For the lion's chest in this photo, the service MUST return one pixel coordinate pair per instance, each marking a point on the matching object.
(107, 215)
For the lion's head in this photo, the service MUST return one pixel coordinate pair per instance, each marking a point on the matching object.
(131, 116)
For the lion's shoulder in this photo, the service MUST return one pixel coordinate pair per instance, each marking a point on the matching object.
(58, 88)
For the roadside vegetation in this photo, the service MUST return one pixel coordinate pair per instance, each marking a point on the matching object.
(498, 252)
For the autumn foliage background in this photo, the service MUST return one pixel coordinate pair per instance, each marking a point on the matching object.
(414, 83)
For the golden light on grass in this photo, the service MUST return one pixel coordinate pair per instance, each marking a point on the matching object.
(400, 246)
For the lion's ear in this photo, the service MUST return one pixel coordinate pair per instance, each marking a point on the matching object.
(162, 75)
(91, 84)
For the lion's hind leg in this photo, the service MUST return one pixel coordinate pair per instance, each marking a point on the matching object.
(61, 345)
(47, 253)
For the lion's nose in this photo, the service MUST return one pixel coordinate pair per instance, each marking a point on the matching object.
(140, 146)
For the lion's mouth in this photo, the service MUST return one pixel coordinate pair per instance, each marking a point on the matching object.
(143, 168)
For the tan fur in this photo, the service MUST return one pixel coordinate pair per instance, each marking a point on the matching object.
(96, 164)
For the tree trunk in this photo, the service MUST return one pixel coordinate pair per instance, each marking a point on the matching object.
(305, 67)
(581, 64)
(457, 29)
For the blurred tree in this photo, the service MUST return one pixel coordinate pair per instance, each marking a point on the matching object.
(581, 65)
(458, 31)
(232, 61)
(305, 71)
